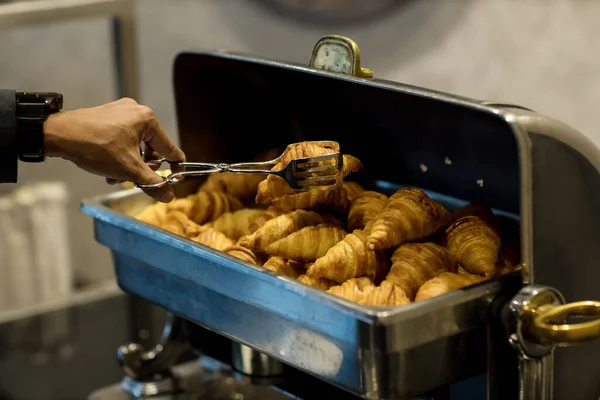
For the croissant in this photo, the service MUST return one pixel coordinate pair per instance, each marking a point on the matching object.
(240, 186)
(307, 244)
(365, 208)
(350, 258)
(179, 224)
(241, 222)
(445, 283)
(320, 283)
(278, 228)
(353, 190)
(475, 244)
(507, 261)
(213, 238)
(408, 215)
(461, 270)
(204, 206)
(283, 267)
(336, 199)
(242, 253)
(386, 294)
(415, 263)
(303, 150)
(274, 186)
(353, 289)
(154, 214)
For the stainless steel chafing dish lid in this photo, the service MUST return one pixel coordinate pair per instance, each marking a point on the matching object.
(507, 156)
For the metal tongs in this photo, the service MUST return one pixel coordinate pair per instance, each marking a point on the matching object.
(301, 173)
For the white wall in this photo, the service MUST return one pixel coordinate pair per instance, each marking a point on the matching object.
(541, 54)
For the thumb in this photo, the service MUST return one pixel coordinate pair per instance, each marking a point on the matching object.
(146, 176)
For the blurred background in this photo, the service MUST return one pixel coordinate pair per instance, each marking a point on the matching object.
(543, 55)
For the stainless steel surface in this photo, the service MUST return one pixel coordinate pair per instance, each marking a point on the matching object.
(160, 386)
(300, 173)
(122, 13)
(254, 363)
(536, 362)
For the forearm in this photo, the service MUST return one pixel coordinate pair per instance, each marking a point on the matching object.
(8, 137)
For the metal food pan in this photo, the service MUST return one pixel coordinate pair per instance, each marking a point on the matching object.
(371, 351)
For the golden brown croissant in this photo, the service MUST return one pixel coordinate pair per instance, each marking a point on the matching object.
(242, 253)
(350, 258)
(278, 228)
(413, 264)
(307, 244)
(408, 215)
(303, 150)
(204, 207)
(283, 267)
(336, 199)
(445, 283)
(274, 186)
(475, 244)
(353, 289)
(385, 295)
(154, 214)
(241, 186)
(461, 270)
(179, 224)
(365, 208)
(320, 283)
(241, 222)
(508, 261)
(213, 238)
(353, 190)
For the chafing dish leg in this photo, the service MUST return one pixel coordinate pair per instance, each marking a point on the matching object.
(253, 363)
(149, 372)
(536, 361)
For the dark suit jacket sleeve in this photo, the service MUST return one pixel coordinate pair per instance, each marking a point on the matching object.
(8, 137)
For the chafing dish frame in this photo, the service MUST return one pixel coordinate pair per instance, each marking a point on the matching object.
(372, 352)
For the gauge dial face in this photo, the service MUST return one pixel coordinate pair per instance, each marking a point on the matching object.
(331, 11)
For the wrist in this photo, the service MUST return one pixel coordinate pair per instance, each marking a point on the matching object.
(53, 127)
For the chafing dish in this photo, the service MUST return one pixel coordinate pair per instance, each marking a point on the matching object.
(529, 168)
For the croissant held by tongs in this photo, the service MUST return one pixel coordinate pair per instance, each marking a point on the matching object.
(300, 172)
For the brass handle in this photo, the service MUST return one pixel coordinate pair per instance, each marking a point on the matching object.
(546, 327)
(340, 55)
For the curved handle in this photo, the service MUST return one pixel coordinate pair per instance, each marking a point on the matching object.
(340, 55)
(546, 327)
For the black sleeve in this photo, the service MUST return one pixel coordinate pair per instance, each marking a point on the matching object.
(9, 157)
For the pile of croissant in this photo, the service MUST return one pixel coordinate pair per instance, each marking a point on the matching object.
(354, 243)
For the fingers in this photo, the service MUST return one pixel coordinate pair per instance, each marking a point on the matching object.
(158, 140)
(112, 181)
(146, 176)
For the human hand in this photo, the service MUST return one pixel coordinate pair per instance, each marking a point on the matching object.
(105, 141)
